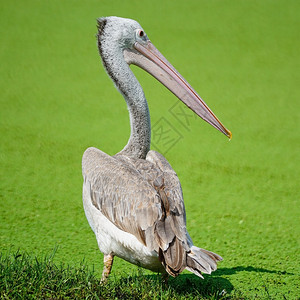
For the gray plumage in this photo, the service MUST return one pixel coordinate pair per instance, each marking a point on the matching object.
(133, 200)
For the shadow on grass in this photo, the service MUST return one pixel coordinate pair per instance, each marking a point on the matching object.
(234, 270)
(210, 285)
(185, 286)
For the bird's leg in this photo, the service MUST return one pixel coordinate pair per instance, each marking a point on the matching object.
(165, 278)
(108, 261)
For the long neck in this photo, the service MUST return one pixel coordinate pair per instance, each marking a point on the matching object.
(125, 81)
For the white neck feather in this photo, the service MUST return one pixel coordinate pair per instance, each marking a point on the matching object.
(125, 81)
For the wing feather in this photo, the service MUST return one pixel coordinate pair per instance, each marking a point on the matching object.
(141, 197)
(121, 193)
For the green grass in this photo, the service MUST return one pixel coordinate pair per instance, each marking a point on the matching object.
(26, 277)
(242, 196)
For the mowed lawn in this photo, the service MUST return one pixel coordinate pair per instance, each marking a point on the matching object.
(241, 196)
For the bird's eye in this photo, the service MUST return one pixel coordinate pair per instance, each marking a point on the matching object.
(141, 33)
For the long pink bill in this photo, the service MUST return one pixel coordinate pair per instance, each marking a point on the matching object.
(147, 57)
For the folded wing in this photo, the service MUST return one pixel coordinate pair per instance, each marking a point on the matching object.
(141, 197)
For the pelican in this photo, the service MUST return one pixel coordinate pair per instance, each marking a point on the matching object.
(133, 200)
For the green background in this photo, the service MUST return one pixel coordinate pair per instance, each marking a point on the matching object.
(242, 196)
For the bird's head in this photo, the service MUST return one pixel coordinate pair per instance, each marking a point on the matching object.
(129, 37)
(123, 32)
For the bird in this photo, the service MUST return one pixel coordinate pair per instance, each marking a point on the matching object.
(133, 200)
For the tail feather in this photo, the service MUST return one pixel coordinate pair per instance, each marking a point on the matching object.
(175, 259)
(202, 260)
(212, 255)
(193, 266)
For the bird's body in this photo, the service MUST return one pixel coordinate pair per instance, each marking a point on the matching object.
(131, 182)
(133, 200)
(112, 239)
